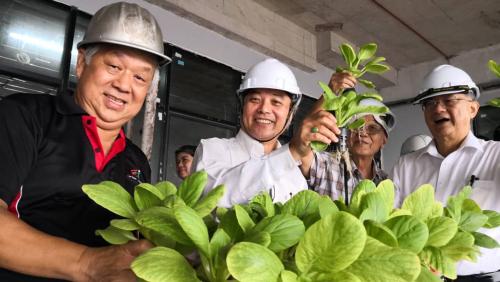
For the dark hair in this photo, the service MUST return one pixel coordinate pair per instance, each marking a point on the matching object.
(190, 149)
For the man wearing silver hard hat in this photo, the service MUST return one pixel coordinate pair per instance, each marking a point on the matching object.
(324, 172)
(254, 160)
(52, 145)
(455, 157)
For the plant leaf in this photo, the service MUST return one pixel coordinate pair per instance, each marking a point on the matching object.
(373, 207)
(318, 146)
(167, 188)
(381, 232)
(262, 204)
(472, 221)
(115, 235)
(287, 276)
(485, 241)
(147, 196)
(163, 264)
(331, 244)
(493, 219)
(364, 187)
(112, 196)
(366, 83)
(356, 124)
(367, 51)
(285, 231)
(494, 68)
(454, 204)
(376, 68)
(125, 224)
(326, 206)
(348, 54)
(460, 246)
(252, 262)
(327, 91)
(192, 187)
(418, 202)
(162, 220)
(495, 102)
(302, 204)
(209, 202)
(441, 231)
(412, 234)
(427, 276)
(388, 264)
(386, 189)
(194, 227)
(244, 220)
(261, 238)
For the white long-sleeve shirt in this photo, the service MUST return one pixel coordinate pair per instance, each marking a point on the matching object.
(448, 175)
(241, 165)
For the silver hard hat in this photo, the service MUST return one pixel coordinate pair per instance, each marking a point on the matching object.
(126, 24)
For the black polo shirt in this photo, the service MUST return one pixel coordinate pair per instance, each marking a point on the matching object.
(49, 148)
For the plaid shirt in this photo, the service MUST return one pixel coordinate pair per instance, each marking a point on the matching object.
(327, 176)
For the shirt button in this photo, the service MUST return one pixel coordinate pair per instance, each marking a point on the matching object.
(97, 150)
(89, 122)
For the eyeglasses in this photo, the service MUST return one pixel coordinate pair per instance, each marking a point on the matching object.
(371, 129)
(447, 103)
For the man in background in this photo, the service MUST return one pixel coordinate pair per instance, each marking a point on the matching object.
(183, 160)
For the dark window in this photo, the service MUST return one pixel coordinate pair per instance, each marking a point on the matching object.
(187, 130)
(199, 98)
(32, 37)
(203, 87)
(487, 123)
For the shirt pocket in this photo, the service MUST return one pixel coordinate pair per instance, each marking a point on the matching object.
(485, 194)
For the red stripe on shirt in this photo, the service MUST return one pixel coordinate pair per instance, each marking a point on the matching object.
(89, 124)
(14, 204)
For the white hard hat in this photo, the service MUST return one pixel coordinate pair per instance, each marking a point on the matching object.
(386, 120)
(446, 79)
(414, 143)
(126, 24)
(271, 74)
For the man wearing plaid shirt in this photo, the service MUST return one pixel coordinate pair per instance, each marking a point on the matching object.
(324, 173)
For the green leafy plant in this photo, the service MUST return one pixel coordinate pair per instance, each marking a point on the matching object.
(495, 68)
(308, 238)
(345, 104)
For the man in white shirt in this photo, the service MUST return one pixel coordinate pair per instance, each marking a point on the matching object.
(455, 157)
(254, 160)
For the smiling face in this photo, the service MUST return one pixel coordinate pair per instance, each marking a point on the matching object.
(183, 163)
(448, 117)
(368, 141)
(265, 113)
(113, 86)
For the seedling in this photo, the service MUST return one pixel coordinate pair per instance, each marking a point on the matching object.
(495, 68)
(345, 104)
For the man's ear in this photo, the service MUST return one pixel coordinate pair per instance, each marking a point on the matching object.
(80, 63)
(474, 108)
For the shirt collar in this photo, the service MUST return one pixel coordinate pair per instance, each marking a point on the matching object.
(470, 141)
(377, 172)
(253, 147)
(66, 105)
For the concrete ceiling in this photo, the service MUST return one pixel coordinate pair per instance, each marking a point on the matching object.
(414, 35)
(408, 32)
